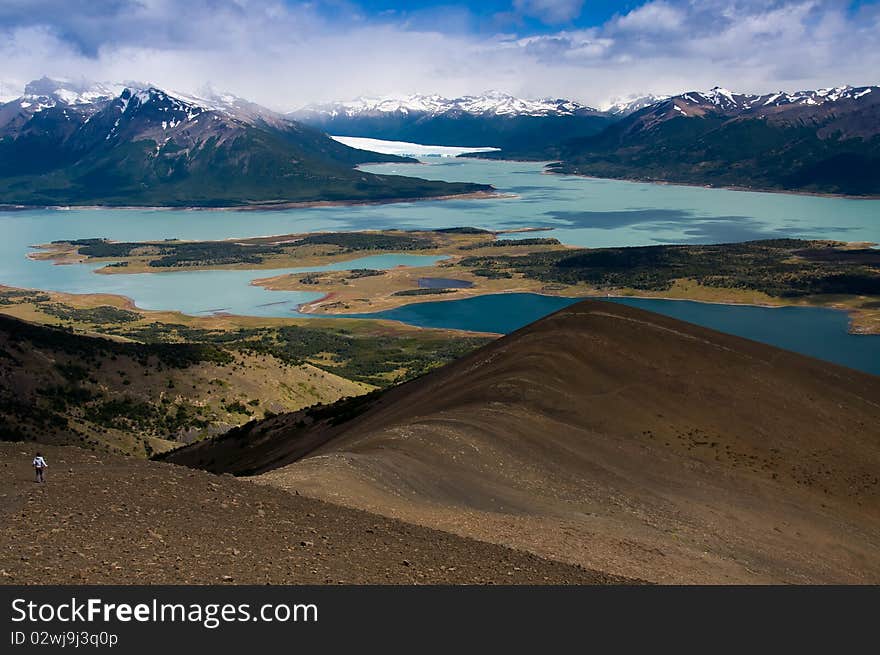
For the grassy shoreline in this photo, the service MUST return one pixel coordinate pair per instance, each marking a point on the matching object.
(267, 205)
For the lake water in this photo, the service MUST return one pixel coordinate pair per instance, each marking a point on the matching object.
(193, 292)
(443, 283)
(586, 212)
(814, 331)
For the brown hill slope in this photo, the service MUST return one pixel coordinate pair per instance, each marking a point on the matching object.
(105, 519)
(616, 438)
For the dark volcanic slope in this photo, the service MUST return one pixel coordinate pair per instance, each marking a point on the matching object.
(103, 519)
(616, 438)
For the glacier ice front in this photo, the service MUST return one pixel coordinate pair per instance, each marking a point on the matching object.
(404, 149)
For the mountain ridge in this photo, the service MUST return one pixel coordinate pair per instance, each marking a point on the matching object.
(67, 144)
(500, 103)
(490, 102)
(610, 437)
(493, 119)
(814, 141)
(825, 141)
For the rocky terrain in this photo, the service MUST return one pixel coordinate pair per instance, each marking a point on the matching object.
(105, 519)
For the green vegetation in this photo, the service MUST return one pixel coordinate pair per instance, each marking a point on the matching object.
(63, 387)
(490, 270)
(503, 243)
(721, 152)
(364, 357)
(170, 253)
(238, 407)
(88, 349)
(781, 267)
(97, 315)
(17, 296)
(176, 381)
(363, 272)
(354, 241)
(317, 278)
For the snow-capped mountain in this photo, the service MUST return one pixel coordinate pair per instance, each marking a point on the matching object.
(47, 92)
(492, 103)
(851, 110)
(730, 102)
(66, 143)
(625, 106)
(75, 101)
(492, 119)
(532, 127)
(86, 98)
(827, 140)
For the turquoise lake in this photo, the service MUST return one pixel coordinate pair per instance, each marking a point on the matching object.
(813, 331)
(581, 211)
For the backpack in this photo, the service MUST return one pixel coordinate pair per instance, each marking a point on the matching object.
(39, 462)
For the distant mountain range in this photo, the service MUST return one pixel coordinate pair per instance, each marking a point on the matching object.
(492, 103)
(824, 141)
(63, 143)
(492, 119)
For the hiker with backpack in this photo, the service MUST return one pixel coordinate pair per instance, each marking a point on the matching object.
(40, 465)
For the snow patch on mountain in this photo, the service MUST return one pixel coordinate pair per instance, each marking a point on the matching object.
(630, 104)
(187, 109)
(46, 92)
(87, 98)
(490, 103)
(729, 101)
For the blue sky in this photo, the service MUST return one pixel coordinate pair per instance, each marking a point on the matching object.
(285, 53)
(494, 15)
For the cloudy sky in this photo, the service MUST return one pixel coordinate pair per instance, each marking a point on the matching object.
(284, 53)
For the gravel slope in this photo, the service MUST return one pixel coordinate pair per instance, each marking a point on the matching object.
(105, 519)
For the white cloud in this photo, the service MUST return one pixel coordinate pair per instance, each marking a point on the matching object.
(284, 55)
(653, 17)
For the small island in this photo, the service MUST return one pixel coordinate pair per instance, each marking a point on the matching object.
(471, 261)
